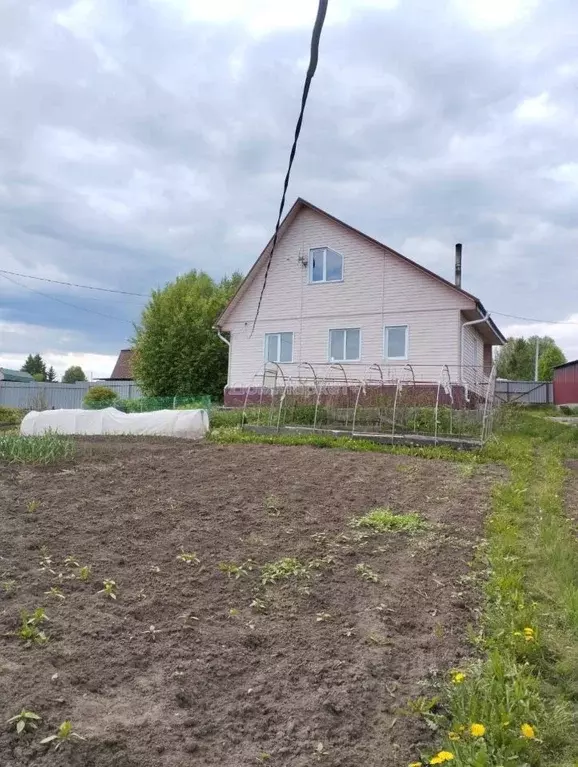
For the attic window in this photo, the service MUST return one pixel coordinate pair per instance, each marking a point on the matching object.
(325, 265)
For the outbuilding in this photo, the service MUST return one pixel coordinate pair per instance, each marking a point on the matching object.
(566, 383)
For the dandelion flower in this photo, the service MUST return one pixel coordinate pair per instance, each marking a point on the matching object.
(454, 735)
(442, 757)
(458, 677)
(415, 764)
(527, 731)
(478, 730)
(529, 634)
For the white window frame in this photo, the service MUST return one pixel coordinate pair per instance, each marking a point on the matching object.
(386, 330)
(279, 333)
(325, 281)
(343, 330)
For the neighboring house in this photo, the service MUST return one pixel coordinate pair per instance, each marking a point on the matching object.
(122, 369)
(15, 376)
(335, 295)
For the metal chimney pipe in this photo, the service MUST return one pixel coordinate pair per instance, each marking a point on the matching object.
(458, 272)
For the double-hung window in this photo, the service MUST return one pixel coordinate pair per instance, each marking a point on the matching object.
(345, 345)
(325, 265)
(395, 342)
(279, 347)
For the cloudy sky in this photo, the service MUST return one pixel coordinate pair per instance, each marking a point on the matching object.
(142, 139)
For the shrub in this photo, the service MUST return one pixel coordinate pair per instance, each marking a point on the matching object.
(99, 397)
(10, 415)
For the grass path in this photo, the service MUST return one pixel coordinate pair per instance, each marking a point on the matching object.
(518, 704)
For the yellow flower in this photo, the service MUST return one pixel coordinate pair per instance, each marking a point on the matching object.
(453, 735)
(442, 757)
(528, 731)
(458, 677)
(478, 730)
(415, 764)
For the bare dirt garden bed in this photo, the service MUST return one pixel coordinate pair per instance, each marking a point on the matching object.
(198, 663)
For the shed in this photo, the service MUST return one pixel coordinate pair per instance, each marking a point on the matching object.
(566, 383)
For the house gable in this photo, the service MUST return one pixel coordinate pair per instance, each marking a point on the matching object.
(375, 278)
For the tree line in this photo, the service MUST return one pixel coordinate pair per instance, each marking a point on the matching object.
(36, 367)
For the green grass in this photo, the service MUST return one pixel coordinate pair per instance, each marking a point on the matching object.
(11, 415)
(527, 640)
(45, 449)
(231, 435)
(385, 521)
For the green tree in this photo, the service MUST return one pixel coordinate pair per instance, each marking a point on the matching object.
(35, 366)
(550, 355)
(51, 375)
(516, 359)
(73, 374)
(176, 350)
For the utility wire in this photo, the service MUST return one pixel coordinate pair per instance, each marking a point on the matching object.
(533, 319)
(313, 59)
(66, 303)
(73, 284)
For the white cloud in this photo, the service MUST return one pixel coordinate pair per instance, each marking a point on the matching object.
(489, 14)
(20, 339)
(565, 335)
(263, 16)
(536, 108)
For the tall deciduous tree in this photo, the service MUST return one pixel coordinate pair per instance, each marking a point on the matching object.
(176, 350)
(73, 374)
(516, 359)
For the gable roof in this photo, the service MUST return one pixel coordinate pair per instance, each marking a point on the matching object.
(18, 376)
(301, 204)
(122, 369)
(566, 364)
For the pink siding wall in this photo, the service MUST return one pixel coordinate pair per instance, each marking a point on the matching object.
(378, 289)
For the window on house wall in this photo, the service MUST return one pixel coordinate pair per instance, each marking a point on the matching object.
(396, 342)
(345, 345)
(279, 347)
(325, 265)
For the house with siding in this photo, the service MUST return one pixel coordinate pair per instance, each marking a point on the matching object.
(336, 297)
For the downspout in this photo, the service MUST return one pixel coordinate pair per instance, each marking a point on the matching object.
(485, 318)
(222, 337)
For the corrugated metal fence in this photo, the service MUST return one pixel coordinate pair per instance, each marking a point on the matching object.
(44, 396)
(529, 392)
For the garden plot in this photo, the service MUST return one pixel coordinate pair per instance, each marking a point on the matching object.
(232, 605)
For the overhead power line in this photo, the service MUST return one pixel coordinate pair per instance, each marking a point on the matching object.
(534, 319)
(313, 59)
(73, 284)
(60, 301)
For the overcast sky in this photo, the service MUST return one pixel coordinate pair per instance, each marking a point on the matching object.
(141, 139)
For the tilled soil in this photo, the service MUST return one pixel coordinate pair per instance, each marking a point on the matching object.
(181, 669)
